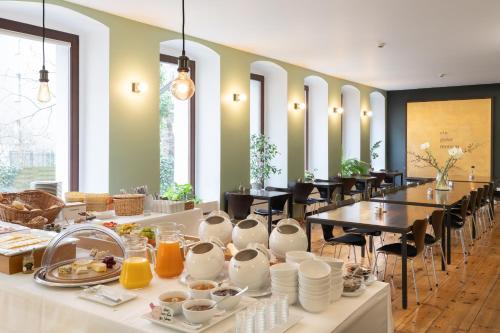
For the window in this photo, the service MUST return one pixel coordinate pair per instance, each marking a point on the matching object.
(256, 104)
(306, 128)
(177, 151)
(38, 141)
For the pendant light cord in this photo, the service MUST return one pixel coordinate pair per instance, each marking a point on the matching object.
(183, 38)
(43, 33)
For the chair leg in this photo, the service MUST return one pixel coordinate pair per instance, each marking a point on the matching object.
(426, 271)
(354, 250)
(414, 281)
(368, 255)
(464, 250)
(394, 267)
(385, 267)
(469, 219)
(322, 247)
(375, 265)
(431, 250)
(443, 260)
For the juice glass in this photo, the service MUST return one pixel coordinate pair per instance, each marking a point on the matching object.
(170, 245)
(136, 268)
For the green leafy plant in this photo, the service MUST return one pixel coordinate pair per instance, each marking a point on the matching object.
(373, 150)
(262, 152)
(353, 166)
(309, 175)
(179, 192)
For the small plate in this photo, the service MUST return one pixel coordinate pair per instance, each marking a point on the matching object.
(355, 293)
(259, 293)
(98, 297)
(371, 279)
(185, 278)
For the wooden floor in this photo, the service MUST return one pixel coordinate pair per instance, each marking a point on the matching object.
(467, 298)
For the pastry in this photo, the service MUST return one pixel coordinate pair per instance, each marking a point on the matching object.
(98, 267)
(64, 270)
(17, 205)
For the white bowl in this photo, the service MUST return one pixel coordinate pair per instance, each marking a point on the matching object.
(201, 294)
(198, 317)
(284, 270)
(314, 282)
(284, 289)
(230, 302)
(314, 305)
(175, 306)
(284, 284)
(333, 262)
(314, 269)
(298, 256)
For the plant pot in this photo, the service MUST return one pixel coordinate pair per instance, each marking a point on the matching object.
(257, 186)
(188, 205)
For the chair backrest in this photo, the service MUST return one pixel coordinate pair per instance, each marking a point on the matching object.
(463, 207)
(486, 192)
(380, 178)
(479, 198)
(418, 229)
(347, 184)
(472, 201)
(321, 180)
(239, 205)
(437, 222)
(278, 203)
(301, 192)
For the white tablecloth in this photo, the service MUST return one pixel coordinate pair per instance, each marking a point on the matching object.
(29, 307)
(189, 218)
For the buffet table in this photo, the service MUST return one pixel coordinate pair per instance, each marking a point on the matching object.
(28, 307)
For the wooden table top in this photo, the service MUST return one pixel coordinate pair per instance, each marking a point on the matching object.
(476, 180)
(364, 178)
(260, 194)
(397, 218)
(418, 195)
(326, 184)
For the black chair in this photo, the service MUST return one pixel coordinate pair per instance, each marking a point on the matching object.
(301, 192)
(471, 213)
(395, 249)
(480, 225)
(457, 223)
(377, 184)
(323, 192)
(239, 205)
(485, 205)
(347, 187)
(277, 204)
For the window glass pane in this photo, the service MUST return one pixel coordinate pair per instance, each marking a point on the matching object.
(255, 104)
(34, 136)
(174, 132)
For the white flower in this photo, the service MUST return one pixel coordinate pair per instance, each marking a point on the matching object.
(456, 152)
(425, 146)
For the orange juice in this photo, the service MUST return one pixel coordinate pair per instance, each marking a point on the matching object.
(169, 259)
(136, 273)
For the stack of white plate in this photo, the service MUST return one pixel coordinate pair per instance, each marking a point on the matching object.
(284, 281)
(50, 186)
(314, 285)
(296, 257)
(336, 280)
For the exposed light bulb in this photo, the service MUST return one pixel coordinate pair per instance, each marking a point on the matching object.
(43, 90)
(182, 87)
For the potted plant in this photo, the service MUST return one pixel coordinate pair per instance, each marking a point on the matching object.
(373, 152)
(309, 176)
(262, 152)
(353, 166)
(181, 192)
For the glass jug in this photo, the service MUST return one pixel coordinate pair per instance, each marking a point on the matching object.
(170, 250)
(136, 268)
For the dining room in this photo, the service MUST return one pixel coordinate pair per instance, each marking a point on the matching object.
(249, 166)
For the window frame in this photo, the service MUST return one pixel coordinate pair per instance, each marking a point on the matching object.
(192, 118)
(261, 79)
(74, 93)
(306, 125)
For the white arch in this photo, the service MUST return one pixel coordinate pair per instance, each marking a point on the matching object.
(93, 84)
(208, 128)
(318, 126)
(351, 122)
(377, 127)
(276, 114)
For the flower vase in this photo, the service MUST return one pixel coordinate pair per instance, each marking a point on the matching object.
(442, 182)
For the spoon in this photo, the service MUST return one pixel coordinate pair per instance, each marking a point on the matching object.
(227, 296)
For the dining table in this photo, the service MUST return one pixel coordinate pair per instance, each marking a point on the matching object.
(328, 186)
(395, 218)
(392, 175)
(268, 196)
(425, 195)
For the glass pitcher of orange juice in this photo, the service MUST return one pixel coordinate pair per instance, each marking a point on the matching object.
(136, 268)
(170, 247)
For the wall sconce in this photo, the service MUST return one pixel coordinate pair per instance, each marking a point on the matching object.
(299, 106)
(367, 113)
(338, 110)
(239, 97)
(139, 87)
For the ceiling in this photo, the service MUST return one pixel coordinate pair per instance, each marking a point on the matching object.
(424, 38)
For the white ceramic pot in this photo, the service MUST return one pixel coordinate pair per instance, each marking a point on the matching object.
(219, 213)
(285, 238)
(250, 267)
(249, 231)
(288, 221)
(205, 260)
(216, 226)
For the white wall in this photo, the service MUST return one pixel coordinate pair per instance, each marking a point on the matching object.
(276, 115)
(318, 126)
(94, 83)
(377, 127)
(351, 122)
(207, 121)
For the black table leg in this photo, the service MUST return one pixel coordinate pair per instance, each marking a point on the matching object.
(290, 206)
(329, 194)
(473, 218)
(370, 247)
(269, 216)
(404, 278)
(226, 208)
(443, 247)
(448, 237)
(308, 233)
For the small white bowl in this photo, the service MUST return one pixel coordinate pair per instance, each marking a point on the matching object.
(284, 289)
(314, 269)
(175, 306)
(230, 302)
(201, 294)
(335, 264)
(313, 305)
(298, 256)
(284, 284)
(198, 317)
(283, 270)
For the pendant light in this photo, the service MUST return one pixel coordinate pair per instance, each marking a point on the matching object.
(183, 87)
(43, 90)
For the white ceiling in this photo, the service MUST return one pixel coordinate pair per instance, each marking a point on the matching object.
(424, 38)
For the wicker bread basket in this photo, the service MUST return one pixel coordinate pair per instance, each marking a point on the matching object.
(43, 203)
(128, 204)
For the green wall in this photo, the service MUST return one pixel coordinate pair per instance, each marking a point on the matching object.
(134, 129)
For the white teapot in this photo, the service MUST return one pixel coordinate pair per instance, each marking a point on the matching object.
(250, 267)
(249, 231)
(216, 226)
(287, 237)
(205, 260)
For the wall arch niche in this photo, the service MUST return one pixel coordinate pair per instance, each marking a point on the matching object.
(207, 115)
(377, 127)
(317, 126)
(93, 83)
(351, 122)
(275, 114)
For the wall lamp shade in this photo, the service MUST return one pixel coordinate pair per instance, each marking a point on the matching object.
(338, 110)
(299, 106)
(139, 87)
(367, 113)
(239, 97)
